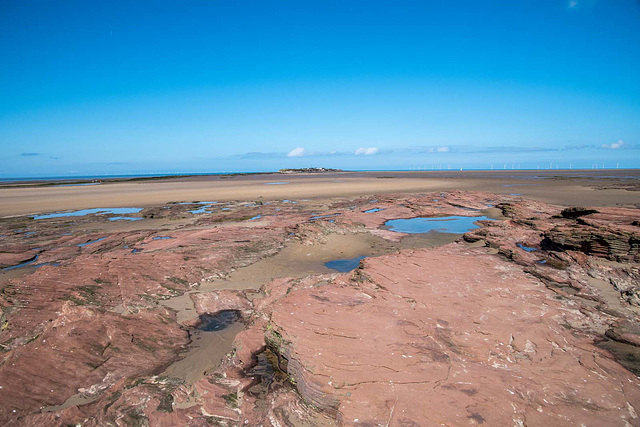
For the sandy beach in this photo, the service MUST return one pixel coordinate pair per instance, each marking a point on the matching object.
(602, 188)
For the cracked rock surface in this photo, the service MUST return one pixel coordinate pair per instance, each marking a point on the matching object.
(448, 335)
(531, 319)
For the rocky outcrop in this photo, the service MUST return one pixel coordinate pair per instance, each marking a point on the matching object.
(537, 237)
(625, 332)
(384, 346)
(608, 233)
(525, 326)
(96, 323)
(615, 245)
(576, 212)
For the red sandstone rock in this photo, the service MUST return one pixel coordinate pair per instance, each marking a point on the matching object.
(451, 335)
(448, 336)
(60, 333)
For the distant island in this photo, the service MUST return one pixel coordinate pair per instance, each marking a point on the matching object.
(309, 170)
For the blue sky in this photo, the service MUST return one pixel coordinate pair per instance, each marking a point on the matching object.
(110, 87)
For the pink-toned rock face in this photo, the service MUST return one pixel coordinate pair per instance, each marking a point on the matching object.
(449, 336)
(97, 318)
(514, 329)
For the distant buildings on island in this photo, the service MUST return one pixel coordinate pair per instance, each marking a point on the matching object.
(309, 170)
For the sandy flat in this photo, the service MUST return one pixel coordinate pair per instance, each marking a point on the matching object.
(602, 188)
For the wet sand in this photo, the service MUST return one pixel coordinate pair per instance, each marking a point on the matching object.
(204, 354)
(598, 188)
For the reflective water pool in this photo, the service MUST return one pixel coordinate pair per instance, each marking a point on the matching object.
(445, 224)
(316, 217)
(22, 264)
(344, 265)
(526, 248)
(91, 241)
(31, 263)
(199, 211)
(218, 321)
(83, 212)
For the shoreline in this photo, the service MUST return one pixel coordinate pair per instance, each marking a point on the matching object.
(71, 180)
(564, 187)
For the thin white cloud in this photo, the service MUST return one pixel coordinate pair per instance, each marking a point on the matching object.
(614, 145)
(296, 152)
(367, 151)
(581, 4)
(437, 150)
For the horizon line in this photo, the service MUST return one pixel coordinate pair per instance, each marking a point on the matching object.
(80, 177)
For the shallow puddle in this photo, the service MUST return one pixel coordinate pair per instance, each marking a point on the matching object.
(526, 248)
(83, 212)
(218, 321)
(316, 217)
(445, 224)
(23, 269)
(22, 264)
(91, 242)
(344, 265)
(199, 211)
